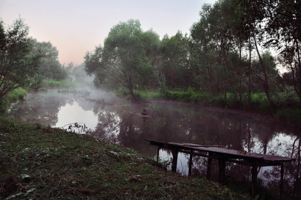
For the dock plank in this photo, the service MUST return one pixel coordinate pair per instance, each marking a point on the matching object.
(223, 155)
(239, 154)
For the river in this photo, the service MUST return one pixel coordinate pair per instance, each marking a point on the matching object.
(120, 121)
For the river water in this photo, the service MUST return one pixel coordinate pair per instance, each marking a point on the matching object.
(120, 121)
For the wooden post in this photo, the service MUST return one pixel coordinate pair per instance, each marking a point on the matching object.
(254, 180)
(190, 163)
(158, 154)
(222, 170)
(209, 167)
(174, 160)
(281, 181)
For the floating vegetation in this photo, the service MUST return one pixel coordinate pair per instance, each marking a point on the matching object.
(76, 127)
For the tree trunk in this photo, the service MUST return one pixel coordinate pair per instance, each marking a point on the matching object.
(131, 89)
(298, 77)
(265, 84)
(249, 93)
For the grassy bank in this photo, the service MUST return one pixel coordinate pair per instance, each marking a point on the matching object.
(45, 163)
(288, 108)
(58, 84)
(20, 93)
(12, 96)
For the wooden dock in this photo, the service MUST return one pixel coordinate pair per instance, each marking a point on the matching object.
(222, 155)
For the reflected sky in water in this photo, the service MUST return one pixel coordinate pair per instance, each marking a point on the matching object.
(120, 121)
(72, 112)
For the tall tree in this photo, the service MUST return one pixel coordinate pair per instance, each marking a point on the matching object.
(125, 59)
(284, 33)
(18, 62)
(50, 67)
(175, 60)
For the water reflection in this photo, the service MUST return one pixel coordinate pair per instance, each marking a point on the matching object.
(121, 122)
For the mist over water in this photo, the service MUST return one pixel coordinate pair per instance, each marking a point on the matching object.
(108, 116)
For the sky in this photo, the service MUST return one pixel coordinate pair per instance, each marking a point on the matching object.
(75, 27)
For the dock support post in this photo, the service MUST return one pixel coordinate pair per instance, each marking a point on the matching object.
(158, 150)
(209, 167)
(222, 170)
(281, 181)
(174, 160)
(254, 180)
(190, 163)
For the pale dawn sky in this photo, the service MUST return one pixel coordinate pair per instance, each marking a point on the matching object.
(77, 26)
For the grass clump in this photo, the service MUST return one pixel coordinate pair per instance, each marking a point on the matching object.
(16, 94)
(58, 84)
(147, 95)
(63, 91)
(12, 96)
(49, 163)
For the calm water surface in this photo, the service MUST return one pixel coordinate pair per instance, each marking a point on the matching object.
(121, 122)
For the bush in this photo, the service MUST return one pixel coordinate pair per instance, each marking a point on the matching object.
(148, 95)
(16, 94)
(186, 96)
(12, 96)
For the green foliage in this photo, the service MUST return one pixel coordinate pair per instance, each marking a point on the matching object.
(19, 61)
(127, 59)
(175, 65)
(58, 84)
(12, 96)
(147, 95)
(16, 94)
(49, 68)
(3, 106)
(187, 96)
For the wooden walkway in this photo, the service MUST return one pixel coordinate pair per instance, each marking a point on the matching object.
(222, 155)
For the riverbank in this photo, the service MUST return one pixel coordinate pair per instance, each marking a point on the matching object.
(20, 93)
(43, 162)
(288, 109)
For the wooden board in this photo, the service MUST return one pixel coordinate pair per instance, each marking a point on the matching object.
(239, 154)
(145, 116)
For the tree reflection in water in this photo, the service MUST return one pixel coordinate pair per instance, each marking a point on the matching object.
(186, 123)
(122, 123)
(40, 108)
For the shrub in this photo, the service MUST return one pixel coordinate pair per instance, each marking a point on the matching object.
(16, 94)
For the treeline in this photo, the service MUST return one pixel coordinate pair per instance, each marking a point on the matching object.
(25, 62)
(230, 55)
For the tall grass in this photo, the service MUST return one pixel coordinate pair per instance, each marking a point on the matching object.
(189, 96)
(12, 96)
(58, 84)
(16, 94)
